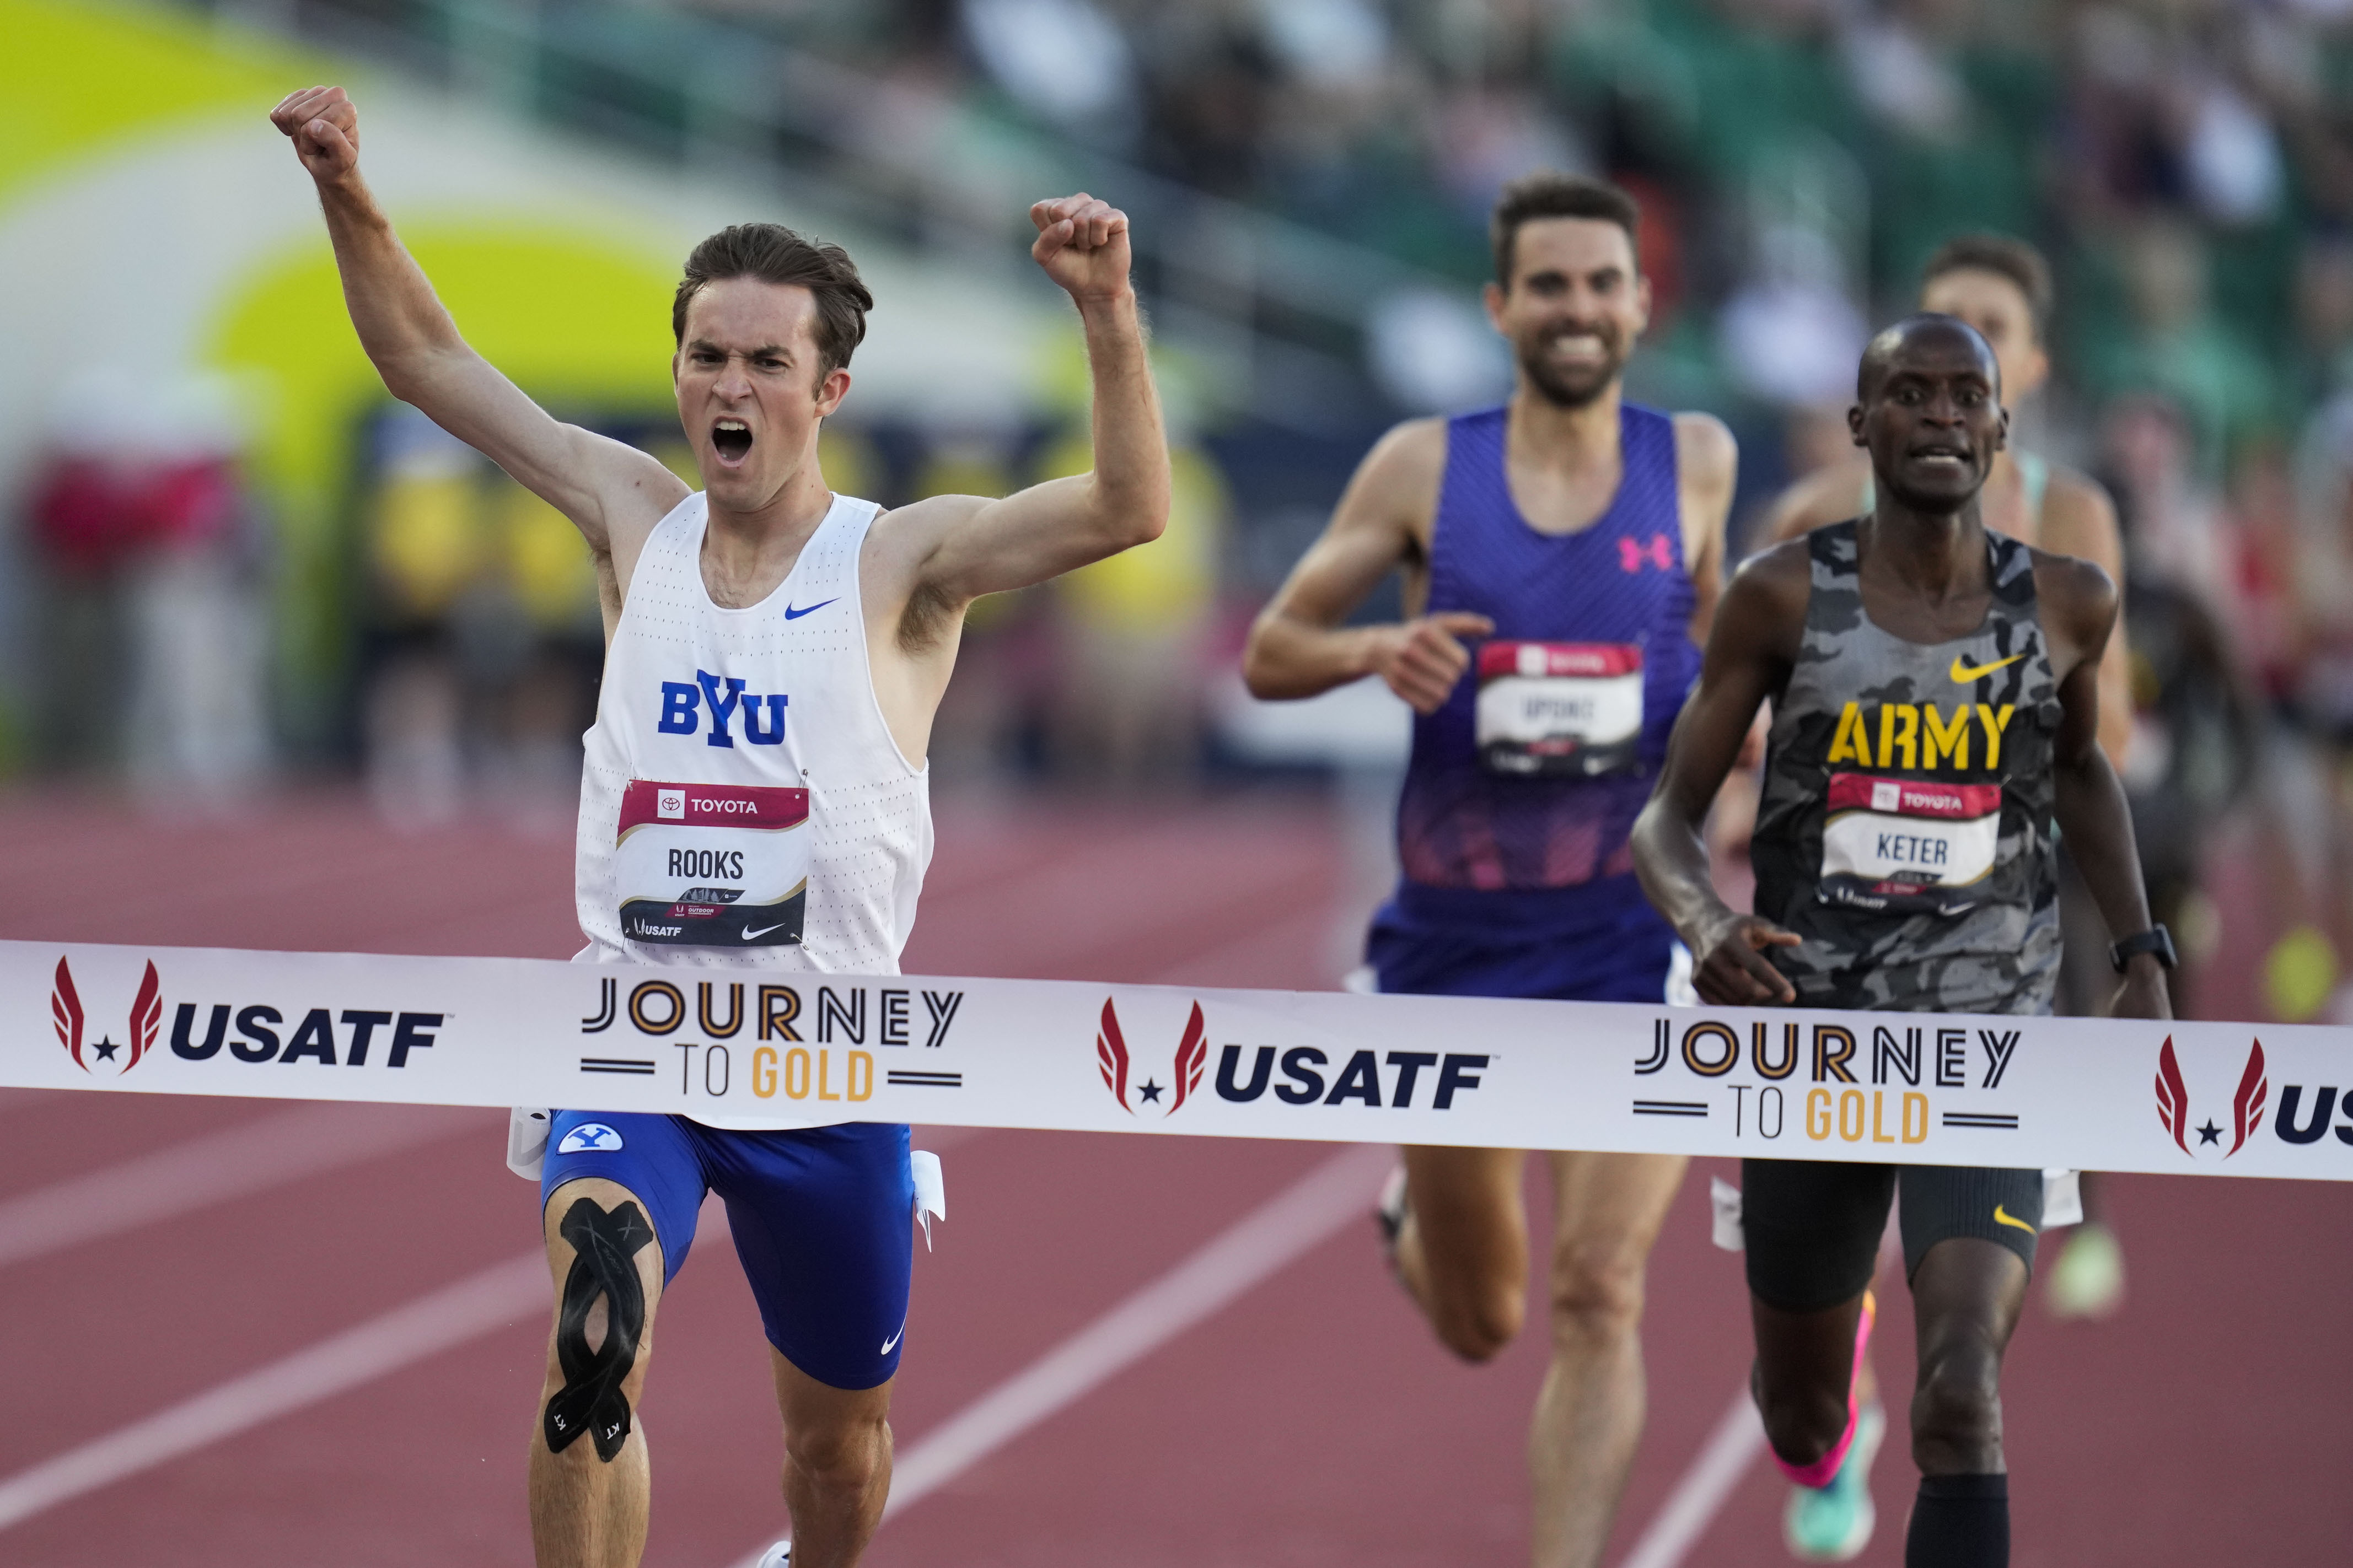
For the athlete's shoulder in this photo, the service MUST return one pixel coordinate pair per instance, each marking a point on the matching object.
(1706, 448)
(1772, 586)
(1416, 446)
(2077, 594)
(2079, 518)
(1399, 479)
(1780, 568)
(928, 516)
(1831, 493)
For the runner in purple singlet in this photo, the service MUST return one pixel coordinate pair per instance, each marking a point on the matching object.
(1561, 554)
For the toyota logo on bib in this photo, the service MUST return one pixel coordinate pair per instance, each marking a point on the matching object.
(671, 804)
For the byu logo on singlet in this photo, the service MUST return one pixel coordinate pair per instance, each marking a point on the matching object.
(684, 705)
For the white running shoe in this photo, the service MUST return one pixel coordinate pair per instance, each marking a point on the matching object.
(780, 1555)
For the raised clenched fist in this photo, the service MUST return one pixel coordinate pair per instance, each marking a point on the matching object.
(1082, 245)
(326, 129)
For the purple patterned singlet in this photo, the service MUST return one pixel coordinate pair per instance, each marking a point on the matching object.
(1530, 776)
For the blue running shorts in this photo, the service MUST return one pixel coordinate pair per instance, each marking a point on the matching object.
(823, 1219)
(1595, 941)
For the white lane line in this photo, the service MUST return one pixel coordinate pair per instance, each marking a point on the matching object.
(1338, 1193)
(298, 1144)
(1692, 1507)
(230, 1163)
(472, 1307)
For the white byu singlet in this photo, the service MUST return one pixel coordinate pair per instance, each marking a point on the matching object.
(743, 802)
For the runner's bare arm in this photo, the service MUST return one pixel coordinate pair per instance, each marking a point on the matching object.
(2079, 520)
(2093, 819)
(1298, 646)
(1826, 496)
(958, 548)
(609, 489)
(1707, 464)
(1749, 654)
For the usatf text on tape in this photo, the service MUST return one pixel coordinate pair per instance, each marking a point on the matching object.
(793, 1049)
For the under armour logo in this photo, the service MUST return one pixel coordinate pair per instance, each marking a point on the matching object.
(1660, 553)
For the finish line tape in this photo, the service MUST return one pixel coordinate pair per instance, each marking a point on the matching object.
(754, 1049)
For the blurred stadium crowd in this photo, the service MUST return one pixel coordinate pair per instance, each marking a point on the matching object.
(2187, 165)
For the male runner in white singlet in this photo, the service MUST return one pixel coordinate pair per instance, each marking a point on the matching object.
(755, 795)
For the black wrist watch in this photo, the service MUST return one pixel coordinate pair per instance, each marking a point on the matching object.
(2156, 940)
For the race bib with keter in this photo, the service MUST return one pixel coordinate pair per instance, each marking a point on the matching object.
(1564, 710)
(712, 865)
(1909, 846)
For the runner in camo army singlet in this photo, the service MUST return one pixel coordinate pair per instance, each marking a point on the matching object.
(1936, 710)
(1906, 826)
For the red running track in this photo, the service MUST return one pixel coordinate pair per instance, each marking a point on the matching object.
(1310, 1420)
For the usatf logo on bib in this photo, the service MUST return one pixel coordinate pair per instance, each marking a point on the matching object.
(1559, 709)
(1912, 846)
(712, 865)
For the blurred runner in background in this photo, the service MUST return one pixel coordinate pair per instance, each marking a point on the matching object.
(1561, 555)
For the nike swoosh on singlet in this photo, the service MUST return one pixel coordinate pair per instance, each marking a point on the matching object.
(1962, 673)
(793, 615)
(1999, 1217)
(750, 934)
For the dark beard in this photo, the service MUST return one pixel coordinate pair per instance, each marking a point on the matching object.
(1573, 389)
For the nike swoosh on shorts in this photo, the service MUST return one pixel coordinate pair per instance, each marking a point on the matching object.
(893, 1339)
(2001, 1217)
(793, 615)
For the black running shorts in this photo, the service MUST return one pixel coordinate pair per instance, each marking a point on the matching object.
(1812, 1227)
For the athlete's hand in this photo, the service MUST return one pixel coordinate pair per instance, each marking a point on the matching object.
(1732, 971)
(1082, 245)
(1421, 659)
(2144, 994)
(325, 128)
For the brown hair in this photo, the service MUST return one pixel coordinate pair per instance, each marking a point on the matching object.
(2004, 257)
(1550, 194)
(775, 254)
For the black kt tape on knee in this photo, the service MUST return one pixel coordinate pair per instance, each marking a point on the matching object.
(591, 1400)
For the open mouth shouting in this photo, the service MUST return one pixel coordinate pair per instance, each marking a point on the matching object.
(731, 441)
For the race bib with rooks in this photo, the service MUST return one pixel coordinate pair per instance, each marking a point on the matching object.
(1560, 709)
(1908, 845)
(712, 865)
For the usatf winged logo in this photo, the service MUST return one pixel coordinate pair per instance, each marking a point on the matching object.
(2246, 1106)
(146, 1019)
(1192, 1056)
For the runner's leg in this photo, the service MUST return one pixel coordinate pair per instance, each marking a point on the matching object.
(1812, 1231)
(1463, 1251)
(1805, 1368)
(837, 1464)
(1966, 1296)
(1606, 1210)
(589, 1508)
(824, 1222)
